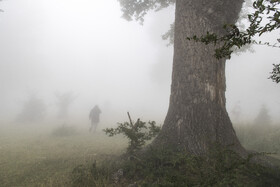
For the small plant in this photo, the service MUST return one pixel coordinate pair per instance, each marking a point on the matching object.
(138, 133)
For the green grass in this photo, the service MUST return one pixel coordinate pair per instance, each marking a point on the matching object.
(37, 158)
(161, 167)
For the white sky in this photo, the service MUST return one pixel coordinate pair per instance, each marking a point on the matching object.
(84, 46)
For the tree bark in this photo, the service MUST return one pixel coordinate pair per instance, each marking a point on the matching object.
(197, 118)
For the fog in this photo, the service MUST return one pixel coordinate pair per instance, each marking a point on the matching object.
(84, 48)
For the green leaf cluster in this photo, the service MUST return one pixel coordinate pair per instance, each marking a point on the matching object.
(236, 38)
(275, 74)
(264, 19)
(137, 9)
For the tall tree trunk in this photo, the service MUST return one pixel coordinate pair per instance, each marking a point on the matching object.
(197, 116)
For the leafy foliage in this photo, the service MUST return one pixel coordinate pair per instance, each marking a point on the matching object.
(137, 9)
(137, 133)
(264, 19)
(169, 35)
(275, 74)
(234, 37)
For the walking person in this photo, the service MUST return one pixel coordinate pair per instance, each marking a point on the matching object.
(94, 118)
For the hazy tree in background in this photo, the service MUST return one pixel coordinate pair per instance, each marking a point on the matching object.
(33, 111)
(263, 118)
(236, 112)
(63, 103)
(197, 116)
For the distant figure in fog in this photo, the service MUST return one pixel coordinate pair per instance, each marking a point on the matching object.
(94, 117)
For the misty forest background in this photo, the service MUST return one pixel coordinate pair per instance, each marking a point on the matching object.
(59, 59)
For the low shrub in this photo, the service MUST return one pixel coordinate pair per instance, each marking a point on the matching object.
(137, 133)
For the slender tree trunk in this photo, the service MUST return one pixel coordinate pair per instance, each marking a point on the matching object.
(197, 117)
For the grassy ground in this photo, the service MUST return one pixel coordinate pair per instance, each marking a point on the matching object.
(265, 138)
(36, 158)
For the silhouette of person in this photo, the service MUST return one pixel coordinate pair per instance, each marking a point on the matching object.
(94, 117)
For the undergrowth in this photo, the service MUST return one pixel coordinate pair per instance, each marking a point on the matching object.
(168, 168)
(163, 167)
